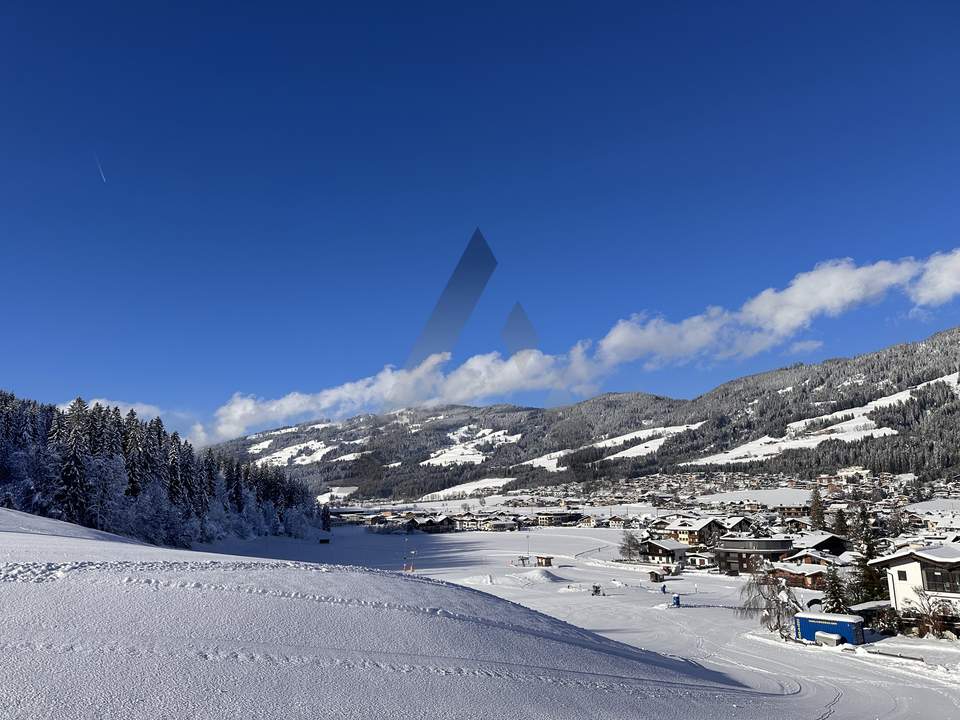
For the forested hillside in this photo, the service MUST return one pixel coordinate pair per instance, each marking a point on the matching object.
(795, 416)
(92, 466)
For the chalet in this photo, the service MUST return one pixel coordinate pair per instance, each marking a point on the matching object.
(701, 531)
(498, 524)
(813, 557)
(933, 569)
(735, 552)
(797, 524)
(467, 521)
(805, 575)
(791, 510)
(437, 524)
(658, 527)
(617, 522)
(820, 540)
(553, 519)
(701, 559)
(662, 552)
(592, 521)
(736, 523)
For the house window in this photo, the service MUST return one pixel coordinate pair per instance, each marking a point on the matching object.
(901, 574)
(941, 580)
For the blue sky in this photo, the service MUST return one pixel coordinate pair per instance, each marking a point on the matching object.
(288, 188)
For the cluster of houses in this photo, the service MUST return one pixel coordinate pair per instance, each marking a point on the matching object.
(922, 557)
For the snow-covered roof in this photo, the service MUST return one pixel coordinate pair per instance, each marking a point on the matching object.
(690, 524)
(729, 522)
(871, 605)
(809, 540)
(805, 569)
(818, 554)
(945, 553)
(829, 617)
(669, 544)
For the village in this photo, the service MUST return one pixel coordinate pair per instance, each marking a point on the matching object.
(856, 539)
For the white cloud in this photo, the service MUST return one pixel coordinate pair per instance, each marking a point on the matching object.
(660, 340)
(770, 319)
(940, 281)
(831, 288)
(803, 347)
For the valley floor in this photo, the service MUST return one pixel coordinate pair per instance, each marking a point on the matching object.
(706, 630)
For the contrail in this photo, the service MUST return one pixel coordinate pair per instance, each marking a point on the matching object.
(100, 168)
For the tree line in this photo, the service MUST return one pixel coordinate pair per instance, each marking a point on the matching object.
(96, 467)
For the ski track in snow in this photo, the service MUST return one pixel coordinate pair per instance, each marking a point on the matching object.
(272, 655)
(484, 643)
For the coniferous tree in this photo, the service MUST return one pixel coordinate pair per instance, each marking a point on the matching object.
(839, 526)
(113, 434)
(860, 526)
(834, 592)
(175, 490)
(192, 492)
(895, 525)
(868, 583)
(133, 439)
(57, 437)
(817, 521)
(72, 494)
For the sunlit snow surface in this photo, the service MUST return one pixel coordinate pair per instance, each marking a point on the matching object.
(801, 682)
(93, 626)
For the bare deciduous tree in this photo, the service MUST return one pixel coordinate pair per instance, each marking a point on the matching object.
(768, 598)
(930, 612)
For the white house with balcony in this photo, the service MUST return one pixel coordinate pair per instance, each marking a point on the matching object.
(932, 568)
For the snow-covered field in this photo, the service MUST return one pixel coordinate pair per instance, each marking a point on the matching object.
(466, 488)
(300, 454)
(552, 461)
(806, 682)
(467, 442)
(643, 435)
(94, 626)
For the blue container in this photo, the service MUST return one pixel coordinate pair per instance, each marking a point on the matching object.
(849, 627)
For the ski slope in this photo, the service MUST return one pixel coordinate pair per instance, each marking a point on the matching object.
(96, 627)
(848, 425)
(465, 489)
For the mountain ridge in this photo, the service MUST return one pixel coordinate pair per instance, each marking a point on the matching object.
(415, 451)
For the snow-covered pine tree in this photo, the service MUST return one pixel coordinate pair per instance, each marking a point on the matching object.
(817, 520)
(113, 434)
(175, 489)
(895, 524)
(72, 494)
(868, 582)
(133, 440)
(860, 525)
(839, 526)
(193, 494)
(834, 592)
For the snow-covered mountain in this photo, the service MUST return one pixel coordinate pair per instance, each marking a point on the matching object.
(95, 626)
(878, 410)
